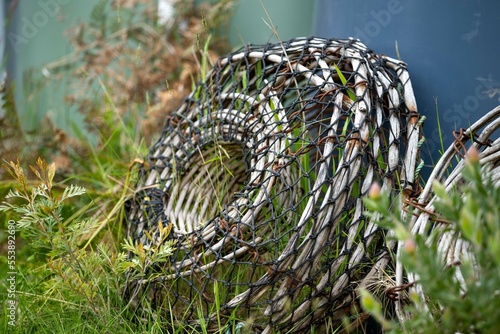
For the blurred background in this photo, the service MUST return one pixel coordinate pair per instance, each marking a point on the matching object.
(450, 48)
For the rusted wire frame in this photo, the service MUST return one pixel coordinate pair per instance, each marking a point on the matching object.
(264, 124)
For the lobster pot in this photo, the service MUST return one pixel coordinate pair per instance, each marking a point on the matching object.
(484, 135)
(258, 178)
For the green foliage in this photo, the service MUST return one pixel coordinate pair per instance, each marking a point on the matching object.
(468, 305)
(67, 279)
(351, 94)
(40, 209)
(146, 256)
(40, 217)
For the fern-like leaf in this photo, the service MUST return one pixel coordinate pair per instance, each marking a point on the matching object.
(6, 207)
(40, 191)
(72, 191)
(15, 194)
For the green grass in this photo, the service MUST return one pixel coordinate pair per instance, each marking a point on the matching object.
(68, 258)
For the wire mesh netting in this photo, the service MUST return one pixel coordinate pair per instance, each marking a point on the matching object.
(249, 205)
(454, 249)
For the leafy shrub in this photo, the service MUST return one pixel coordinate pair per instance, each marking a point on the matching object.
(462, 297)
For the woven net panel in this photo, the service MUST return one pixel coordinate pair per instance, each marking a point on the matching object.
(485, 136)
(260, 174)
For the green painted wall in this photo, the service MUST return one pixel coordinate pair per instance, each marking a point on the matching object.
(252, 24)
(291, 18)
(36, 37)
